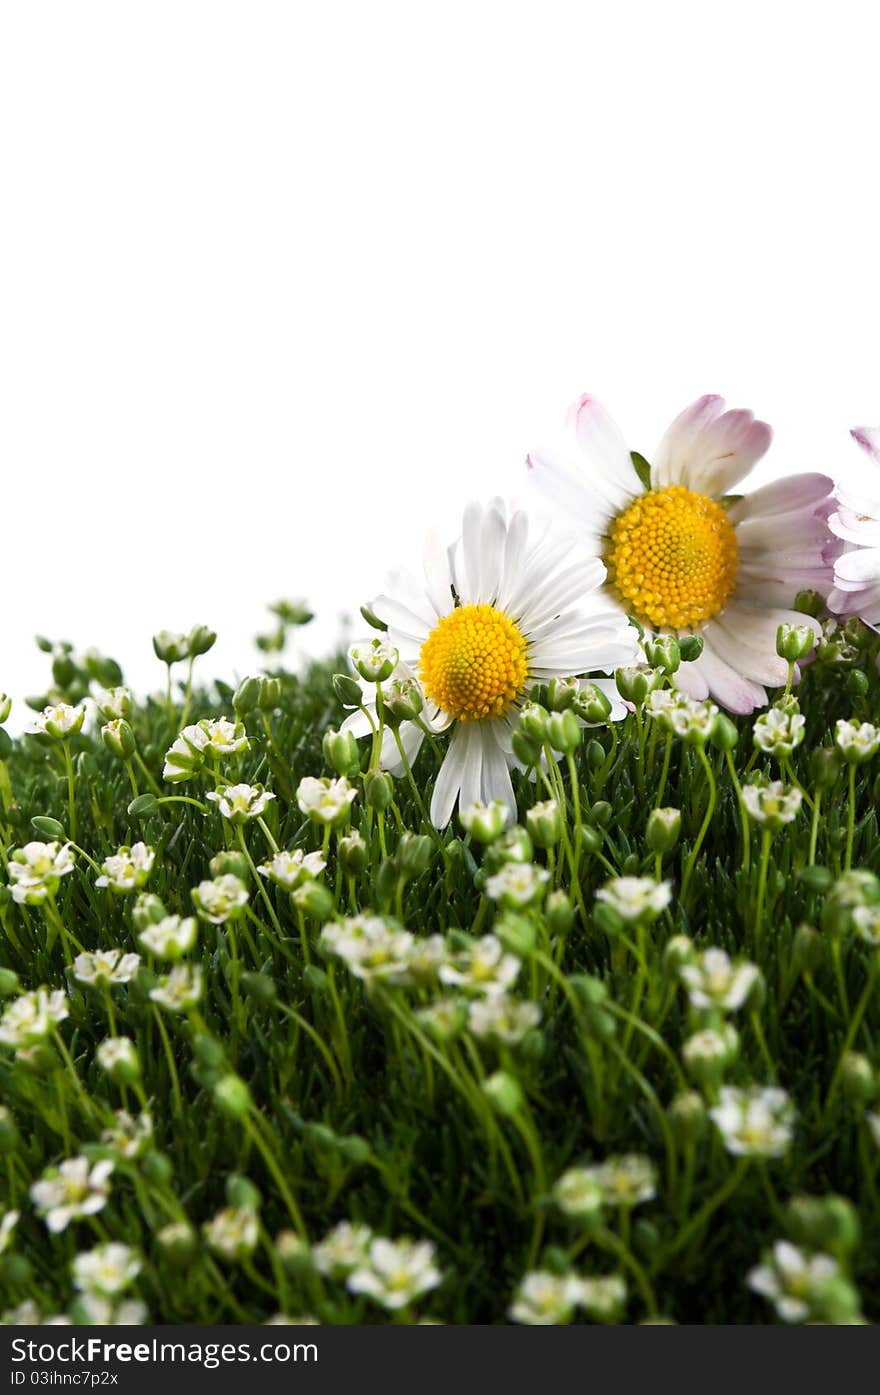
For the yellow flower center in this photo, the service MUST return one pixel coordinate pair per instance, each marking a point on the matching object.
(673, 557)
(473, 663)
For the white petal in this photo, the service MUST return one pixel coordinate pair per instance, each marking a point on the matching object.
(449, 778)
(802, 491)
(709, 450)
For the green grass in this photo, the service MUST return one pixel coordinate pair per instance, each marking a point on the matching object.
(353, 1112)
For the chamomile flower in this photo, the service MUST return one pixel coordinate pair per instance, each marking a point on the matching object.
(485, 967)
(790, 1278)
(496, 614)
(105, 967)
(30, 1018)
(754, 1122)
(128, 869)
(855, 520)
(106, 1270)
(714, 980)
(73, 1189)
(396, 1272)
(684, 558)
(290, 869)
(35, 871)
(241, 803)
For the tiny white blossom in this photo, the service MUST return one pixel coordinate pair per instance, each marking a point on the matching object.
(444, 1019)
(714, 980)
(128, 869)
(179, 990)
(772, 805)
(171, 937)
(372, 948)
(636, 898)
(754, 1122)
(290, 869)
(30, 1018)
(626, 1179)
(325, 801)
(578, 1193)
(60, 721)
(130, 1135)
(224, 738)
(114, 1052)
(779, 731)
(544, 1299)
(502, 1018)
(483, 968)
(856, 741)
(73, 1189)
(602, 1296)
(517, 884)
(103, 967)
(35, 871)
(396, 1272)
(344, 1248)
(789, 1278)
(106, 1270)
(241, 803)
(220, 900)
(866, 920)
(233, 1233)
(114, 704)
(103, 1312)
(185, 756)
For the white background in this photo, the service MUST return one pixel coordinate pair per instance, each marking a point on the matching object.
(283, 283)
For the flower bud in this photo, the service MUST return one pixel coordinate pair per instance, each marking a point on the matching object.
(561, 693)
(663, 653)
(593, 707)
(5, 707)
(314, 899)
(526, 749)
(413, 854)
(504, 1093)
(9, 983)
(794, 642)
(269, 697)
(375, 661)
(533, 722)
(232, 1096)
(258, 986)
(170, 647)
(340, 751)
(688, 1118)
(148, 910)
(224, 864)
(178, 1241)
(246, 695)
(635, 683)
(143, 806)
(809, 603)
(485, 822)
(679, 950)
(690, 648)
(563, 732)
(352, 853)
(544, 823)
(516, 932)
(403, 701)
(664, 829)
(48, 828)
(201, 639)
(347, 690)
(378, 789)
(558, 913)
(857, 1077)
(118, 738)
(513, 846)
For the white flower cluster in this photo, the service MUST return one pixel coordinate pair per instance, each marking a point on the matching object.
(394, 1273)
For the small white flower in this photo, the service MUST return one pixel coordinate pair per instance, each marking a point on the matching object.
(101, 1312)
(374, 660)
(35, 871)
(290, 869)
(714, 980)
(8, 1222)
(220, 900)
(779, 731)
(866, 920)
(224, 738)
(130, 1135)
(426, 957)
(502, 1019)
(345, 1248)
(370, 947)
(114, 1052)
(443, 1019)
(114, 704)
(708, 1052)
(103, 967)
(185, 756)
(179, 990)
(60, 721)
(602, 1296)
(397, 1272)
(771, 805)
(579, 1194)
(483, 968)
(636, 898)
(233, 1233)
(485, 822)
(517, 884)
(789, 1278)
(856, 741)
(325, 801)
(74, 1189)
(241, 803)
(544, 1299)
(171, 937)
(30, 1018)
(755, 1122)
(626, 1179)
(128, 869)
(693, 721)
(106, 1270)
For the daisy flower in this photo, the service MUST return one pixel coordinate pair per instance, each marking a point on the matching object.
(855, 520)
(495, 614)
(686, 557)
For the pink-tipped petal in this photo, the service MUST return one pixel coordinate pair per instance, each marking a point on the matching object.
(709, 450)
(868, 437)
(604, 452)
